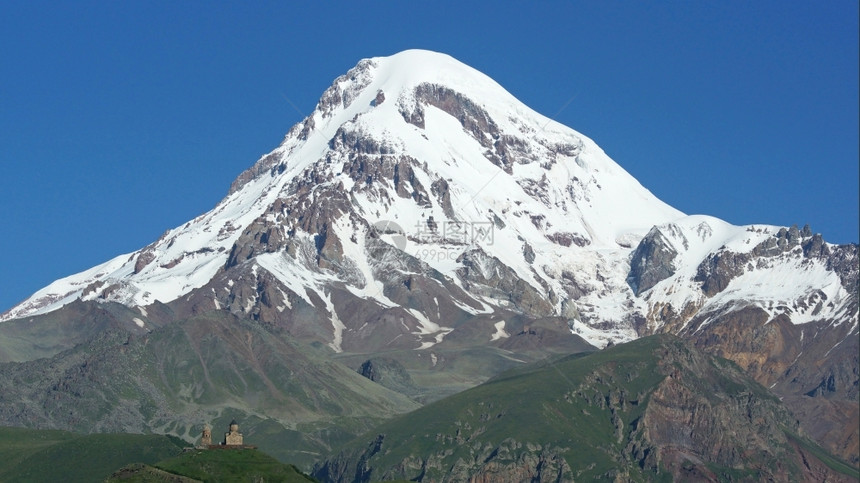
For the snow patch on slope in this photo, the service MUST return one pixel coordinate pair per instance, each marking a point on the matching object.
(500, 332)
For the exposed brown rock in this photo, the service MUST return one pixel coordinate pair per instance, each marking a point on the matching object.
(567, 239)
(502, 150)
(814, 370)
(440, 189)
(380, 98)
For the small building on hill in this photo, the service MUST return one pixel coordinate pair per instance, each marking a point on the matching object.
(206, 439)
(233, 437)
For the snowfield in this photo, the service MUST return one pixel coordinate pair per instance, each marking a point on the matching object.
(531, 197)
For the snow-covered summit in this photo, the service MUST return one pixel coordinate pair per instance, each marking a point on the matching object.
(503, 209)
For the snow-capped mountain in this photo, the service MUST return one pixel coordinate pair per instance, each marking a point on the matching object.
(472, 184)
(421, 204)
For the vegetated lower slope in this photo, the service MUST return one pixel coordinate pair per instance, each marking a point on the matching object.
(213, 466)
(206, 369)
(50, 455)
(652, 409)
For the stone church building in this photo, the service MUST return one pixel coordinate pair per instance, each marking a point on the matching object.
(206, 439)
(232, 438)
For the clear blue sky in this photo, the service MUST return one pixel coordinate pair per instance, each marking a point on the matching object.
(120, 120)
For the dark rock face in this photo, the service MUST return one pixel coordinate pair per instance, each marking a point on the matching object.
(528, 253)
(488, 276)
(310, 205)
(679, 419)
(501, 464)
(504, 463)
(337, 96)
(474, 119)
(145, 258)
(147, 255)
(355, 142)
(716, 271)
(695, 413)
(266, 164)
(567, 239)
(439, 188)
(843, 259)
(501, 149)
(389, 373)
(407, 184)
(343, 469)
(258, 238)
(375, 169)
(651, 262)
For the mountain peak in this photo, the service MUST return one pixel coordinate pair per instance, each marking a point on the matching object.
(410, 68)
(510, 209)
(417, 138)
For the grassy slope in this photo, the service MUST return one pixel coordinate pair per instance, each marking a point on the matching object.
(231, 465)
(143, 458)
(74, 457)
(141, 473)
(18, 444)
(825, 457)
(520, 404)
(571, 407)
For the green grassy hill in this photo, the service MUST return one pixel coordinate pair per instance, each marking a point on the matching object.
(216, 466)
(50, 456)
(30, 455)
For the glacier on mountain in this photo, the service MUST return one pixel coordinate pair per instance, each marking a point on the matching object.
(512, 210)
